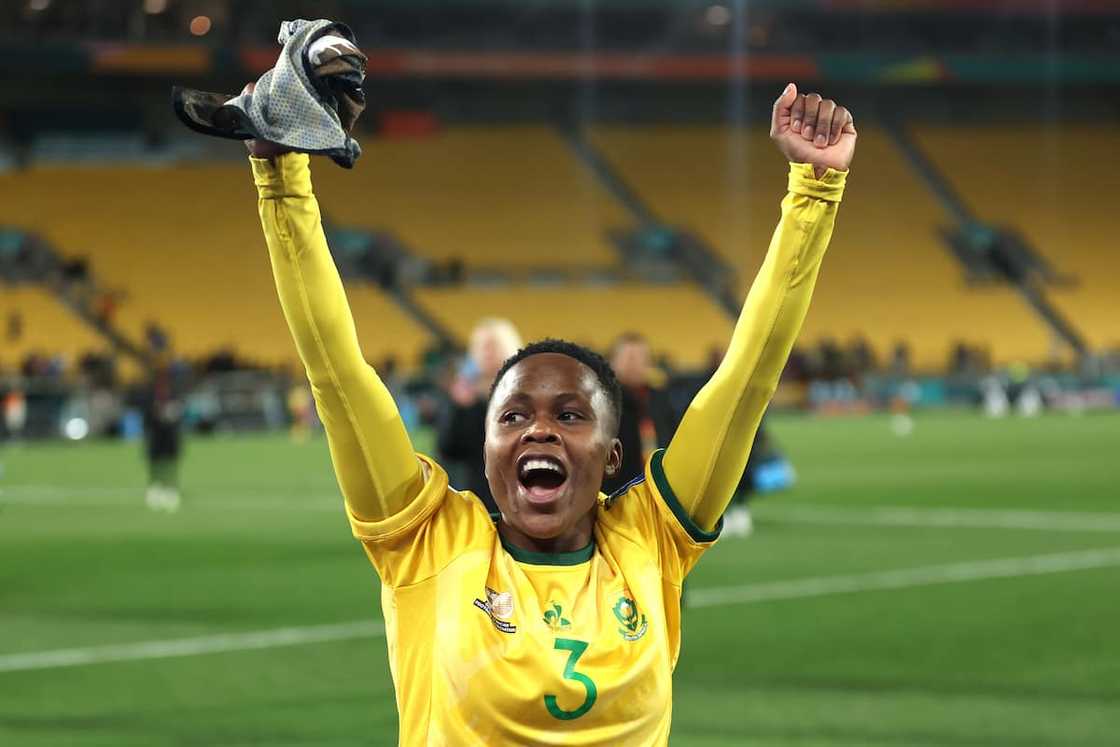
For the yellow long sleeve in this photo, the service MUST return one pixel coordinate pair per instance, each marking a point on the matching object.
(377, 470)
(706, 457)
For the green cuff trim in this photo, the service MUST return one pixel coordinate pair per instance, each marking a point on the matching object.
(662, 484)
(575, 557)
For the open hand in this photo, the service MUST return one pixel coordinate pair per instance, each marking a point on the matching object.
(262, 148)
(811, 129)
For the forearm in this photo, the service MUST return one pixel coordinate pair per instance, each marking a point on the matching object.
(709, 451)
(374, 461)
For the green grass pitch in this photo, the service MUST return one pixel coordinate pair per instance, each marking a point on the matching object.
(780, 653)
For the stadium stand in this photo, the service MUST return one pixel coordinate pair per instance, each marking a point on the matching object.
(1009, 173)
(47, 327)
(494, 195)
(680, 321)
(184, 245)
(186, 248)
(725, 186)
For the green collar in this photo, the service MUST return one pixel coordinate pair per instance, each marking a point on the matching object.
(575, 557)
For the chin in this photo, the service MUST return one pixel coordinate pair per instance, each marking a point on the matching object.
(541, 526)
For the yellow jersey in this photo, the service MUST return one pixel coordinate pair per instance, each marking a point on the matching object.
(490, 644)
(493, 645)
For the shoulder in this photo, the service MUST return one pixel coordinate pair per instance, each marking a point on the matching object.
(439, 525)
(649, 510)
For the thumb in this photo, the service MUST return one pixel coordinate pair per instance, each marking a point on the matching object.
(783, 104)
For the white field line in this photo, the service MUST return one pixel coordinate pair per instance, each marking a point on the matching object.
(711, 597)
(964, 518)
(906, 578)
(210, 644)
(45, 495)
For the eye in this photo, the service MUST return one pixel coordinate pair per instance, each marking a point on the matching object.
(511, 417)
(570, 415)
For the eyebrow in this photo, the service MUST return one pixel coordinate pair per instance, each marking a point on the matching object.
(561, 396)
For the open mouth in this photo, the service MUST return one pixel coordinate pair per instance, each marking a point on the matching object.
(541, 476)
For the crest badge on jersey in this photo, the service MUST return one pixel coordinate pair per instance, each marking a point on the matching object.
(499, 607)
(632, 623)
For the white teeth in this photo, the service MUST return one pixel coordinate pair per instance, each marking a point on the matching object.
(532, 464)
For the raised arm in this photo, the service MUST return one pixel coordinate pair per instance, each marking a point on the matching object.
(707, 455)
(373, 458)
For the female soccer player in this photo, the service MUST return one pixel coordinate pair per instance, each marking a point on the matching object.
(556, 622)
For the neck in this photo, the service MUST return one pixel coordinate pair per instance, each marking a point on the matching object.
(575, 538)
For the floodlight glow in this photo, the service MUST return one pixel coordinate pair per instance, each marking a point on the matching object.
(200, 25)
(717, 15)
(155, 6)
(76, 429)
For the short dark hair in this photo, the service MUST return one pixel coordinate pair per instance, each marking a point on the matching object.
(597, 363)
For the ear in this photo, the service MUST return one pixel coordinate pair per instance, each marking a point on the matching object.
(614, 458)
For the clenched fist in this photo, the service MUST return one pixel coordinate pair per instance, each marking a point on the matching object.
(811, 129)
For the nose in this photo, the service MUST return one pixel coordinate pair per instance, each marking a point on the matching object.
(540, 433)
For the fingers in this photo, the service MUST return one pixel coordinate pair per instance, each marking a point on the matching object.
(781, 115)
(840, 119)
(797, 114)
(819, 120)
(812, 107)
(249, 87)
(824, 123)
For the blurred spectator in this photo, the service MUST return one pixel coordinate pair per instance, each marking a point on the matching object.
(900, 359)
(105, 307)
(76, 270)
(861, 357)
(156, 337)
(463, 430)
(644, 408)
(15, 412)
(163, 412)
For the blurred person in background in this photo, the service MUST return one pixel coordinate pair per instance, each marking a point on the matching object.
(163, 413)
(647, 422)
(15, 412)
(462, 431)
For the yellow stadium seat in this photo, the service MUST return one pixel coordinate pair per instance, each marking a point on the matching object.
(184, 243)
(1054, 182)
(48, 327)
(504, 196)
(887, 276)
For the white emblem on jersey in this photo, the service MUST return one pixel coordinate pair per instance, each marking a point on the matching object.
(501, 603)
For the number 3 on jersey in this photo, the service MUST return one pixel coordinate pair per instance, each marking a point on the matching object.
(576, 649)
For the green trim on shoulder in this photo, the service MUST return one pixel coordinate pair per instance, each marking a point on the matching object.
(575, 557)
(670, 498)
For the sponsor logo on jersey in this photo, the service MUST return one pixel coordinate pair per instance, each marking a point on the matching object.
(554, 618)
(499, 608)
(632, 623)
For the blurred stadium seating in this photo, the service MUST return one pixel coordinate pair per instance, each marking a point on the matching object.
(487, 195)
(726, 185)
(515, 196)
(48, 327)
(1056, 184)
